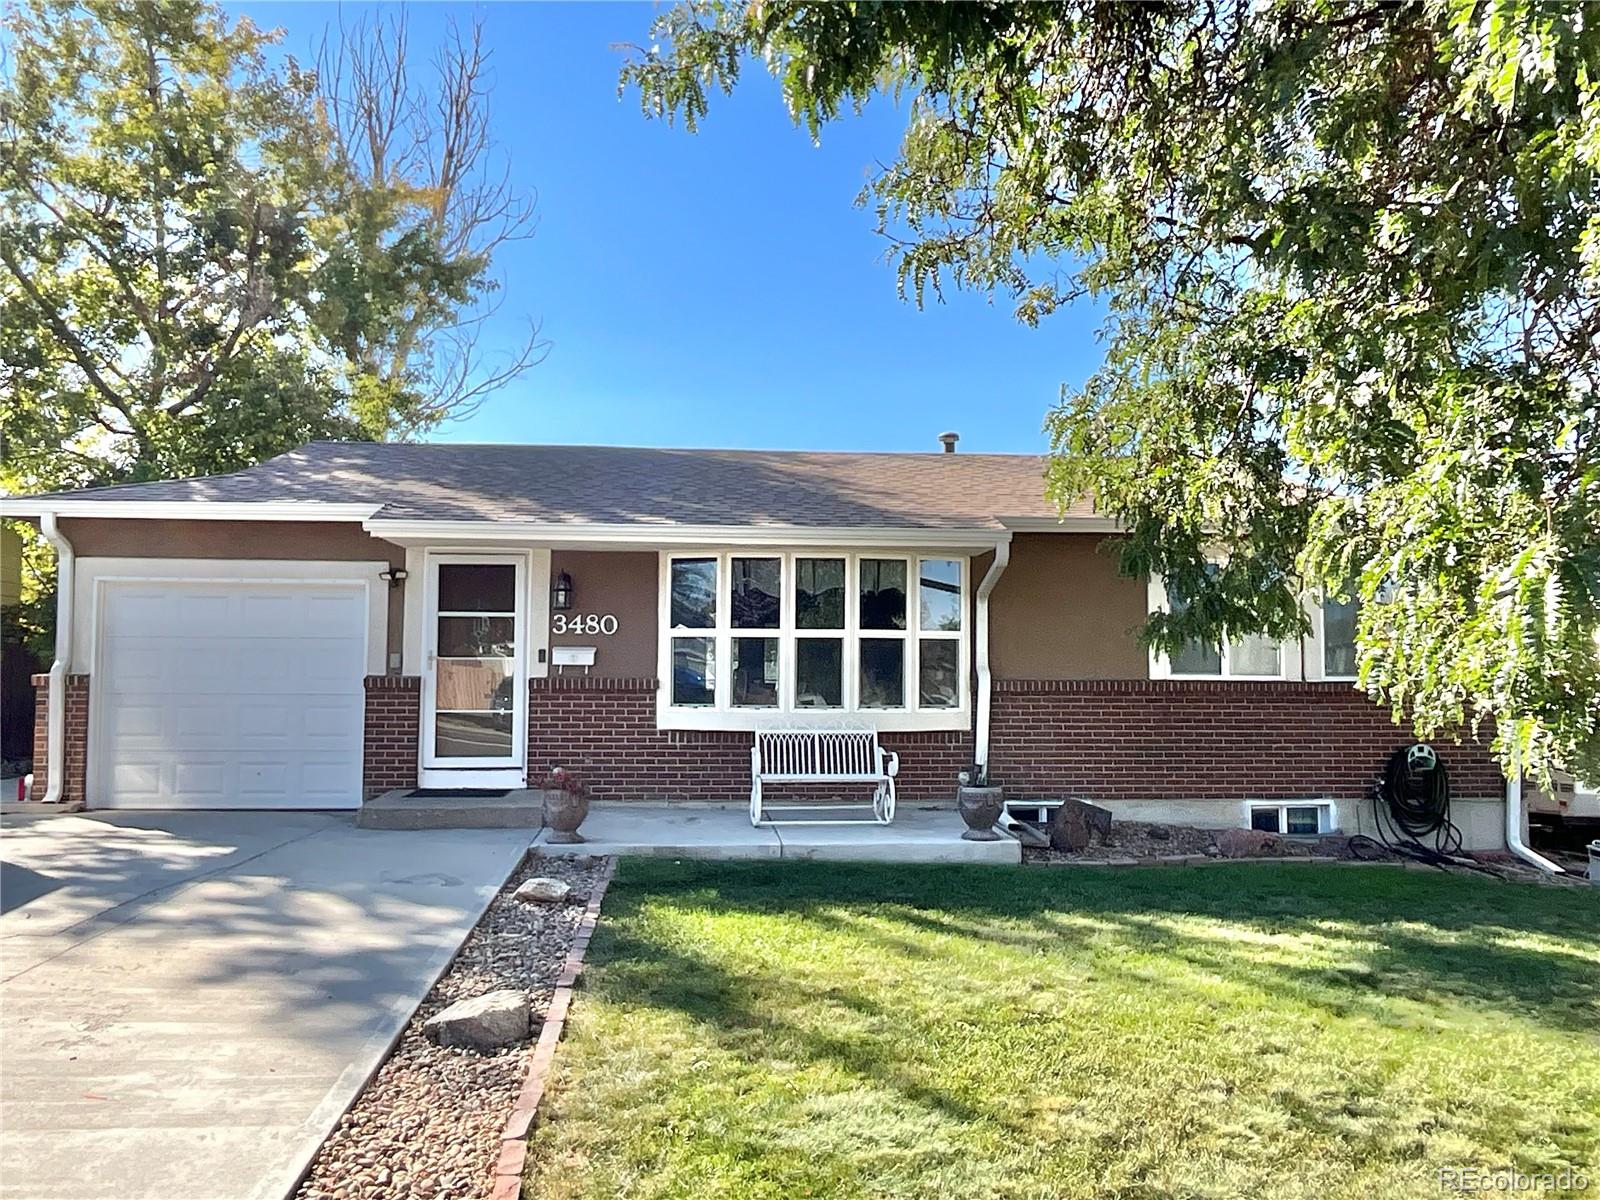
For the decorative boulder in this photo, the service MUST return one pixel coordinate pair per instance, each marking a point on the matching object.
(542, 890)
(1247, 843)
(485, 1022)
(1076, 822)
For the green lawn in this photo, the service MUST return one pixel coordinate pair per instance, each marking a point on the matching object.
(1283, 1031)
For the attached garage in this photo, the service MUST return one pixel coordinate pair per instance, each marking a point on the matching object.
(230, 693)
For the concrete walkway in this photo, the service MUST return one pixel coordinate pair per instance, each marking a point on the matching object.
(918, 835)
(188, 1001)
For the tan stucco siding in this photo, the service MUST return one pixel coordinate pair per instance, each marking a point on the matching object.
(1062, 610)
(619, 583)
(324, 541)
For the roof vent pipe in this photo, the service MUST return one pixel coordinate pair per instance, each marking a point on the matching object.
(948, 441)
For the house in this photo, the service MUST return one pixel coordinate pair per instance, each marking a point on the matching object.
(347, 619)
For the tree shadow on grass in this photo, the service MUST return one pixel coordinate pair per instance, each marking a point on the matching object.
(1426, 938)
(729, 1009)
(899, 988)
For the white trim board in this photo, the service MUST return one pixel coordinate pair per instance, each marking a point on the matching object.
(649, 536)
(190, 510)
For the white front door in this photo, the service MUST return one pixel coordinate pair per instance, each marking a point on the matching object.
(475, 685)
(237, 694)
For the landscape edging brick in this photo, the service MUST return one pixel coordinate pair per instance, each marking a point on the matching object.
(513, 1157)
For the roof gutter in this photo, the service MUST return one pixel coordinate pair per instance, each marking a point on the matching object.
(1002, 556)
(56, 713)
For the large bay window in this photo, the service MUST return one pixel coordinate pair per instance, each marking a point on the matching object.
(803, 631)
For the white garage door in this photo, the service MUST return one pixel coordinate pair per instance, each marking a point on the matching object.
(245, 695)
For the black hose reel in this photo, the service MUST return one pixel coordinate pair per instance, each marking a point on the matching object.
(1412, 804)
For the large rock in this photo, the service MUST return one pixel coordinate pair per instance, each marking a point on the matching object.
(485, 1022)
(1077, 821)
(542, 890)
(1248, 843)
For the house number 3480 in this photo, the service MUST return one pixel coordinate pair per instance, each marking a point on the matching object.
(590, 623)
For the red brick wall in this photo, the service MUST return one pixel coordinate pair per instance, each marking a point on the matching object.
(77, 739)
(606, 730)
(1198, 740)
(394, 725)
(1111, 739)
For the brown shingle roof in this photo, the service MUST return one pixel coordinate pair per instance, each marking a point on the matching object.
(631, 485)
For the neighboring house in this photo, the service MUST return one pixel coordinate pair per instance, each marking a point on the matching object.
(17, 664)
(10, 566)
(347, 619)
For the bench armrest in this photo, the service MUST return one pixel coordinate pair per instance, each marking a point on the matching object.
(892, 767)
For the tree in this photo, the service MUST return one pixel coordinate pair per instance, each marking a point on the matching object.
(161, 195)
(1351, 256)
(420, 157)
(196, 270)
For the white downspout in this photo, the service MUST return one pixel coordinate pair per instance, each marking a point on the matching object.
(1002, 556)
(56, 728)
(1514, 824)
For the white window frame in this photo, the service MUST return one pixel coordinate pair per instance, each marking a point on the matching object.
(1317, 654)
(724, 716)
(1327, 815)
(1289, 665)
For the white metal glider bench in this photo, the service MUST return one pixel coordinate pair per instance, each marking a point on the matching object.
(827, 755)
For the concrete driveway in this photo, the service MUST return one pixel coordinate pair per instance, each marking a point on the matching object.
(188, 1001)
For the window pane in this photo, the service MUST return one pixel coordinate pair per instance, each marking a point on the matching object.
(1192, 658)
(819, 593)
(755, 672)
(939, 682)
(1197, 658)
(883, 593)
(477, 587)
(474, 637)
(1253, 656)
(1339, 637)
(818, 673)
(694, 670)
(1303, 820)
(883, 673)
(939, 597)
(1264, 819)
(473, 684)
(755, 592)
(472, 735)
(694, 593)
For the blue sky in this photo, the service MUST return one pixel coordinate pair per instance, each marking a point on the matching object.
(719, 288)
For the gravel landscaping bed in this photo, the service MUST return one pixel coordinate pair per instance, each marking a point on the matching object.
(1144, 841)
(429, 1123)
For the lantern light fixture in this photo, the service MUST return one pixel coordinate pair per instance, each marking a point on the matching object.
(561, 593)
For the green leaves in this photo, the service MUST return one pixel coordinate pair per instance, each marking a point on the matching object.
(1351, 259)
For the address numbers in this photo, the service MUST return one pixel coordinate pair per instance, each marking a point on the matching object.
(592, 624)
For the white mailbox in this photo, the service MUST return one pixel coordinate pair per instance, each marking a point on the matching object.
(572, 656)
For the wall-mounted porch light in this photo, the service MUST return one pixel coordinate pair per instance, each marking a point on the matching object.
(561, 593)
(394, 576)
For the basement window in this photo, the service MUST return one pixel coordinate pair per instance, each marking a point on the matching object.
(1291, 820)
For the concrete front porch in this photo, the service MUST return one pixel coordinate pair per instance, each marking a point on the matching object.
(918, 835)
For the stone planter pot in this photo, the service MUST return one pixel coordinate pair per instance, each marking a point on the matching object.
(980, 808)
(563, 813)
